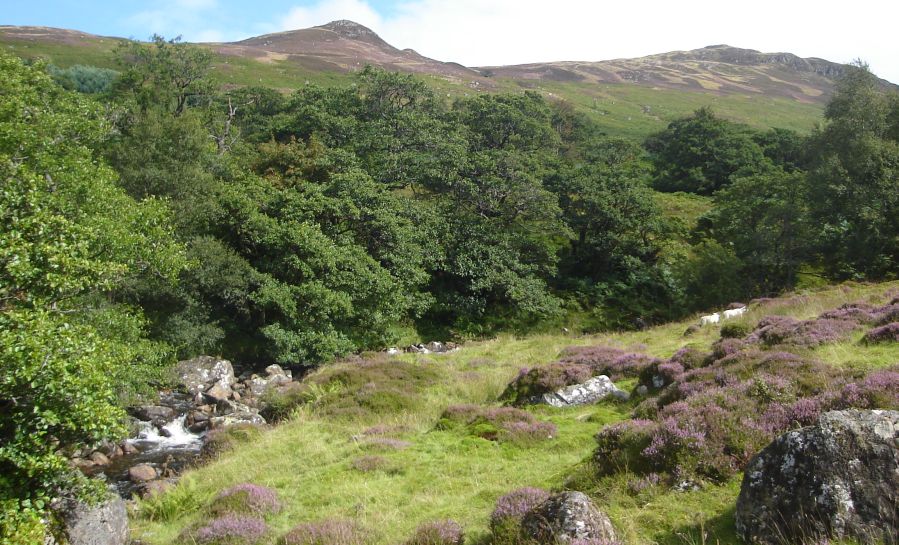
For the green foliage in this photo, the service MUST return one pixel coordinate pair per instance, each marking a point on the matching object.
(735, 330)
(701, 152)
(853, 182)
(84, 79)
(67, 235)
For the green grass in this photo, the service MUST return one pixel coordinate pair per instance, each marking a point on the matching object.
(450, 474)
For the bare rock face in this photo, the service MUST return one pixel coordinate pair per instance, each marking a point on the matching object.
(591, 391)
(103, 524)
(837, 479)
(567, 517)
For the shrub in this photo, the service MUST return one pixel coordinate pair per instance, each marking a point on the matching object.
(325, 532)
(501, 424)
(231, 530)
(604, 360)
(505, 520)
(224, 439)
(883, 334)
(533, 383)
(367, 464)
(442, 532)
(386, 443)
(734, 330)
(775, 330)
(278, 403)
(373, 388)
(246, 499)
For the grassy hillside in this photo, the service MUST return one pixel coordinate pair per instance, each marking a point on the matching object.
(623, 109)
(391, 409)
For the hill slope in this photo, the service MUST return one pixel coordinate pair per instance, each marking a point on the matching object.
(369, 442)
(627, 96)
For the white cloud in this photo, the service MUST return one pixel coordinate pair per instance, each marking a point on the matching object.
(489, 32)
(172, 18)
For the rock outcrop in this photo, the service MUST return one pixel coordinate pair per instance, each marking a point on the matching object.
(201, 373)
(836, 479)
(103, 524)
(568, 517)
(590, 391)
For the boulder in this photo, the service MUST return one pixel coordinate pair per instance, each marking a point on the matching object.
(258, 386)
(103, 524)
(242, 416)
(838, 479)
(198, 374)
(99, 458)
(155, 413)
(566, 518)
(219, 391)
(142, 473)
(588, 392)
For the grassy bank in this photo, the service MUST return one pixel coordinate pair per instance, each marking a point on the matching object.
(424, 472)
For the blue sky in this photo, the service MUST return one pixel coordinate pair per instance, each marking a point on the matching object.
(492, 32)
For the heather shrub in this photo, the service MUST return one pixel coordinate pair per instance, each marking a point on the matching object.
(501, 424)
(278, 403)
(862, 313)
(776, 330)
(505, 520)
(367, 464)
(734, 330)
(224, 439)
(878, 390)
(612, 362)
(246, 499)
(229, 530)
(325, 532)
(883, 334)
(373, 387)
(887, 314)
(441, 532)
(533, 383)
(385, 444)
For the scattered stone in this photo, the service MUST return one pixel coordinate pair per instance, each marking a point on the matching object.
(103, 524)
(838, 479)
(99, 458)
(567, 517)
(591, 391)
(142, 473)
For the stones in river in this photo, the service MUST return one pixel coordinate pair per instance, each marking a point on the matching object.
(142, 473)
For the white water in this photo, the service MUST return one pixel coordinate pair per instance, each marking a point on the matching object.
(179, 436)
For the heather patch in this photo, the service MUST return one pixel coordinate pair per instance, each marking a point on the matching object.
(510, 509)
(368, 464)
(441, 532)
(385, 444)
(325, 532)
(501, 424)
(603, 360)
(221, 440)
(246, 499)
(888, 333)
(782, 330)
(384, 429)
(372, 388)
(229, 530)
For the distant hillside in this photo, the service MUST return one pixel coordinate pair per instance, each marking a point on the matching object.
(627, 96)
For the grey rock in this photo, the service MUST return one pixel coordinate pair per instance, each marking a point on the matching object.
(565, 518)
(155, 413)
(142, 473)
(246, 416)
(275, 369)
(258, 386)
(103, 524)
(591, 391)
(198, 374)
(218, 392)
(837, 479)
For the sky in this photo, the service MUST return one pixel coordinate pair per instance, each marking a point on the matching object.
(498, 32)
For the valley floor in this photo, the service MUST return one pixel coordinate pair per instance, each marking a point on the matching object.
(416, 472)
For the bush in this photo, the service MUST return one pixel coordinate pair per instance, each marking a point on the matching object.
(883, 334)
(510, 509)
(776, 330)
(224, 439)
(501, 424)
(533, 383)
(325, 532)
(246, 499)
(442, 532)
(230, 530)
(734, 331)
(612, 362)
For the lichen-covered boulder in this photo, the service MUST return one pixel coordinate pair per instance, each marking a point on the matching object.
(836, 479)
(199, 374)
(590, 391)
(567, 517)
(103, 524)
